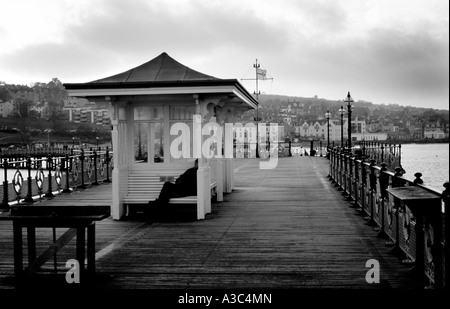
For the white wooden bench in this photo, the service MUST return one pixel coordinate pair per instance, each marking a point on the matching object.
(145, 184)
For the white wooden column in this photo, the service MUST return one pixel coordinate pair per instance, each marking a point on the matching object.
(219, 175)
(123, 155)
(203, 170)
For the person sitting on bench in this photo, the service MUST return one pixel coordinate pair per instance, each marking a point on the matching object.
(185, 185)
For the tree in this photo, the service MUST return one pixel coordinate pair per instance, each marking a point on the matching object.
(23, 107)
(4, 93)
(51, 111)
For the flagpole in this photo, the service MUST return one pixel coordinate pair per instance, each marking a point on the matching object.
(256, 66)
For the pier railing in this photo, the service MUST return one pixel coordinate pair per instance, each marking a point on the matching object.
(282, 149)
(390, 154)
(34, 178)
(416, 230)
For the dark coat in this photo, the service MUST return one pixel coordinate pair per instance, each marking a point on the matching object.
(188, 181)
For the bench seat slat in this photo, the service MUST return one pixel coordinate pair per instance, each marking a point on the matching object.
(145, 185)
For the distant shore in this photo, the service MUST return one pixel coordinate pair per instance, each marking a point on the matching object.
(420, 141)
(409, 141)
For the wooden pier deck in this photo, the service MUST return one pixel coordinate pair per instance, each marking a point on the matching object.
(284, 228)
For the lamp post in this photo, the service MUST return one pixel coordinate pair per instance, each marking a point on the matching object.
(97, 141)
(48, 136)
(73, 142)
(328, 115)
(349, 102)
(342, 111)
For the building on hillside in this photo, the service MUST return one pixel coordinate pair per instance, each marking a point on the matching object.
(434, 131)
(38, 108)
(358, 126)
(318, 130)
(376, 136)
(8, 109)
(72, 102)
(84, 115)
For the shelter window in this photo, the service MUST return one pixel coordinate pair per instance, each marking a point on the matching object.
(148, 113)
(149, 142)
(182, 112)
(122, 113)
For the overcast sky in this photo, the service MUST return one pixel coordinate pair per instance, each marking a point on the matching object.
(383, 51)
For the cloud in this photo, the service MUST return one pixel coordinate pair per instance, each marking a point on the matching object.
(137, 28)
(309, 47)
(123, 34)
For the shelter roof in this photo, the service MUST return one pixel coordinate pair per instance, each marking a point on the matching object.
(160, 69)
(161, 75)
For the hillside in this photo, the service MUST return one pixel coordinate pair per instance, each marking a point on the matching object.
(274, 100)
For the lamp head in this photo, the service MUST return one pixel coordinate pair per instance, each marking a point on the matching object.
(348, 99)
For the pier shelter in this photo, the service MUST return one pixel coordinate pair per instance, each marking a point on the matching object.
(165, 115)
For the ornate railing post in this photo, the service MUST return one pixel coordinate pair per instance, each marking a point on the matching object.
(397, 182)
(341, 169)
(107, 165)
(346, 172)
(330, 162)
(362, 185)
(338, 168)
(29, 197)
(82, 186)
(446, 199)
(5, 204)
(65, 168)
(372, 191)
(335, 167)
(95, 183)
(350, 176)
(355, 181)
(49, 177)
(418, 180)
(384, 184)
